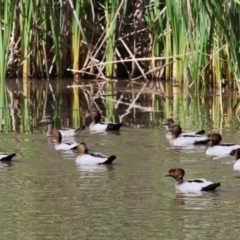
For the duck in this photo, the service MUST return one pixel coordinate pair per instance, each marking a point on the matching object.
(59, 145)
(66, 132)
(179, 140)
(192, 185)
(98, 126)
(86, 158)
(7, 157)
(236, 154)
(170, 121)
(218, 149)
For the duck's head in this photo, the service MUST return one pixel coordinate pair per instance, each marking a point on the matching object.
(82, 148)
(50, 124)
(94, 114)
(175, 129)
(215, 138)
(167, 121)
(235, 153)
(176, 173)
(57, 136)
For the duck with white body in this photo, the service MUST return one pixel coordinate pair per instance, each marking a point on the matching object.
(98, 126)
(218, 149)
(86, 158)
(190, 186)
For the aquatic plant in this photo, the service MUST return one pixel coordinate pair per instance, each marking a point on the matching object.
(193, 43)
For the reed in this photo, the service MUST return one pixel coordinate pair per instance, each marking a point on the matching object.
(111, 22)
(7, 13)
(195, 42)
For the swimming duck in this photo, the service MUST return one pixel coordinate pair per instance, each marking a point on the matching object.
(97, 125)
(178, 139)
(59, 145)
(86, 158)
(190, 186)
(236, 154)
(6, 157)
(170, 121)
(66, 132)
(218, 149)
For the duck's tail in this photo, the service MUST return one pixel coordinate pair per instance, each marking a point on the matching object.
(8, 157)
(201, 132)
(110, 159)
(211, 187)
(113, 126)
(80, 129)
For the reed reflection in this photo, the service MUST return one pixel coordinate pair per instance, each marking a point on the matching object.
(136, 105)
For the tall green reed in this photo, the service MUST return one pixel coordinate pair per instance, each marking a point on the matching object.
(7, 14)
(111, 22)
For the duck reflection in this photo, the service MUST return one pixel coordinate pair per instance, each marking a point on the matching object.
(92, 170)
(198, 201)
(4, 164)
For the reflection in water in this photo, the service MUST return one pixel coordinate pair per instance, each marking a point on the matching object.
(131, 103)
(89, 170)
(4, 164)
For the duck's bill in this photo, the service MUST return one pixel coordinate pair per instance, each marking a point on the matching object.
(165, 123)
(167, 175)
(42, 121)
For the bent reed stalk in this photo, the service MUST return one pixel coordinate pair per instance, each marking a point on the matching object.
(96, 38)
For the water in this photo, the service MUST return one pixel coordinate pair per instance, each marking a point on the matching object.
(45, 195)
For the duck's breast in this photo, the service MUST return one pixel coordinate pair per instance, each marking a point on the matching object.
(236, 165)
(168, 135)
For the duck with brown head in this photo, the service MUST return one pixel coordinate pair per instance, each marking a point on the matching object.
(236, 154)
(66, 132)
(98, 126)
(59, 145)
(169, 121)
(190, 186)
(179, 140)
(86, 158)
(218, 149)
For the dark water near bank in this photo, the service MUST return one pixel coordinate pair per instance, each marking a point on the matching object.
(44, 195)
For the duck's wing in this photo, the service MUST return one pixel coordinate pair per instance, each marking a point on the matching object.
(97, 154)
(6, 157)
(204, 184)
(91, 159)
(187, 140)
(113, 126)
(196, 138)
